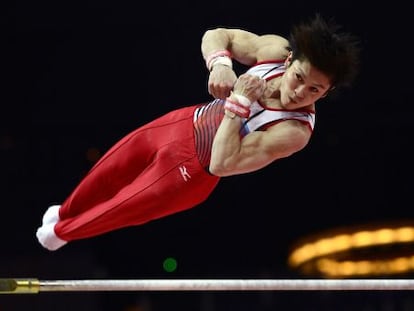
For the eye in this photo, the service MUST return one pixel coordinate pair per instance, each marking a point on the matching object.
(314, 89)
(299, 77)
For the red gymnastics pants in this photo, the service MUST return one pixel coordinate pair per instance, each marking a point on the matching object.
(150, 173)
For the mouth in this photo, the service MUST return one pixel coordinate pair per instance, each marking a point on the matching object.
(293, 100)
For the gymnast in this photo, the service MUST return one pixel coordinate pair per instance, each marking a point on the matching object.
(174, 162)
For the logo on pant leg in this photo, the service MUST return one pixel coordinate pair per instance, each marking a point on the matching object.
(183, 170)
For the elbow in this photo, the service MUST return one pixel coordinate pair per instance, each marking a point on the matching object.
(217, 170)
(214, 33)
(220, 169)
(219, 30)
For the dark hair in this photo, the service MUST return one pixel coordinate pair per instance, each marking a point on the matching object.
(331, 51)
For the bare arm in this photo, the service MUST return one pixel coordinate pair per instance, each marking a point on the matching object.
(232, 155)
(245, 47)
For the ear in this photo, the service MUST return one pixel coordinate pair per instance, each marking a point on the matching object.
(288, 59)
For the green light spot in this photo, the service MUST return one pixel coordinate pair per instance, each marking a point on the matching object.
(169, 264)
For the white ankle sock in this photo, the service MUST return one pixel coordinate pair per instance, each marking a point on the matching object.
(46, 233)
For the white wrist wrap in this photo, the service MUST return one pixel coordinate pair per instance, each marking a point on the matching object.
(243, 100)
(220, 60)
(219, 57)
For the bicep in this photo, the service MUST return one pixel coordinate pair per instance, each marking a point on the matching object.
(259, 149)
(249, 48)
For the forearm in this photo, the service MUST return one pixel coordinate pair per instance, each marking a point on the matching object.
(226, 145)
(228, 155)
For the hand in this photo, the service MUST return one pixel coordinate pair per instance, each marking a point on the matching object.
(250, 86)
(221, 81)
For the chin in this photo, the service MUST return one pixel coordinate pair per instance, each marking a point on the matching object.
(290, 106)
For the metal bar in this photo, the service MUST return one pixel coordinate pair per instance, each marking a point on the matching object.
(31, 286)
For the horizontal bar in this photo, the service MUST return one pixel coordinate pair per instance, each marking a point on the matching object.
(19, 286)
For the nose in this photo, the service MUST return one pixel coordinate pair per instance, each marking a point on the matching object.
(300, 91)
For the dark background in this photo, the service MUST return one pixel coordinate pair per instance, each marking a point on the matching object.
(77, 76)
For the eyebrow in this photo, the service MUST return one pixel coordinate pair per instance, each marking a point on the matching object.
(320, 86)
(313, 84)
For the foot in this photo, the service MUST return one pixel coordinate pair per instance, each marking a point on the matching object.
(46, 233)
(51, 216)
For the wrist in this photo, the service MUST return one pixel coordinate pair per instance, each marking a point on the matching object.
(243, 100)
(222, 57)
(235, 109)
(221, 60)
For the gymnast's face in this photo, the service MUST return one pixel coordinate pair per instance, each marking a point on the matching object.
(302, 85)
